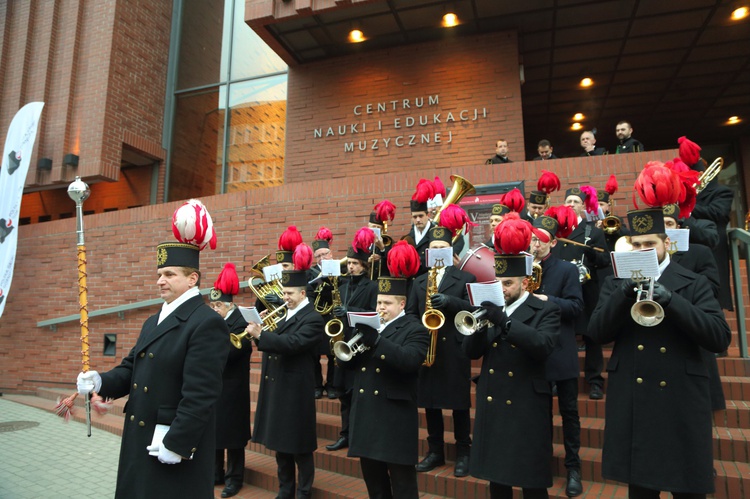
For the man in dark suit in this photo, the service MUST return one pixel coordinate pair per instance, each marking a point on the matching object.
(658, 433)
(419, 234)
(560, 285)
(285, 412)
(588, 143)
(513, 432)
(496, 216)
(627, 144)
(385, 390)
(501, 153)
(446, 384)
(589, 237)
(233, 407)
(172, 377)
(544, 148)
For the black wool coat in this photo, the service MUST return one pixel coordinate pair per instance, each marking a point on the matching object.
(424, 243)
(658, 431)
(513, 430)
(173, 377)
(285, 411)
(447, 383)
(233, 408)
(384, 424)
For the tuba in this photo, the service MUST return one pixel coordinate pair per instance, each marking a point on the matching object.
(461, 187)
(260, 289)
(432, 319)
(645, 311)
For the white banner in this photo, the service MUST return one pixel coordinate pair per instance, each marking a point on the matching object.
(19, 145)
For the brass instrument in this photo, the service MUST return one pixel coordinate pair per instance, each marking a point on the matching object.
(709, 174)
(432, 319)
(645, 311)
(260, 289)
(270, 323)
(325, 308)
(535, 280)
(584, 275)
(468, 323)
(387, 241)
(344, 351)
(335, 328)
(461, 187)
(611, 225)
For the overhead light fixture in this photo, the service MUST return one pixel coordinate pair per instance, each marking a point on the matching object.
(576, 126)
(578, 117)
(733, 120)
(740, 13)
(586, 82)
(356, 35)
(449, 20)
(44, 164)
(70, 159)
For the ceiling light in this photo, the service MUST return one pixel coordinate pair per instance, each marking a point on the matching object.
(450, 19)
(576, 126)
(578, 117)
(740, 13)
(733, 120)
(586, 82)
(356, 36)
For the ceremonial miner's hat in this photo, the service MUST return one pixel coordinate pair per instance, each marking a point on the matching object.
(547, 223)
(394, 286)
(500, 210)
(302, 260)
(672, 211)
(227, 284)
(194, 230)
(512, 240)
(648, 221)
(361, 244)
(323, 239)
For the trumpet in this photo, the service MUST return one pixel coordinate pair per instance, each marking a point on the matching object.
(468, 323)
(611, 225)
(345, 350)
(269, 324)
(645, 311)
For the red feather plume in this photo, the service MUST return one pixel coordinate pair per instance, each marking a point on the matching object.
(324, 234)
(290, 239)
(363, 239)
(228, 282)
(438, 187)
(403, 260)
(512, 235)
(514, 200)
(688, 179)
(385, 211)
(302, 257)
(425, 191)
(548, 182)
(453, 218)
(566, 217)
(690, 152)
(611, 186)
(592, 199)
(657, 185)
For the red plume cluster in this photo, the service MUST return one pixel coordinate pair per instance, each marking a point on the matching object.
(363, 239)
(611, 186)
(324, 234)
(228, 282)
(566, 217)
(302, 257)
(592, 198)
(385, 211)
(290, 239)
(453, 218)
(192, 224)
(690, 152)
(512, 235)
(438, 187)
(514, 200)
(688, 179)
(657, 185)
(403, 260)
(425, 191)
(548, 182)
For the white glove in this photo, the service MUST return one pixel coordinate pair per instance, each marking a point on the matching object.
(88, 382)
(164, 455)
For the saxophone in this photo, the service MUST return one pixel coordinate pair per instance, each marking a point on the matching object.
(335, 328)
(432, 319)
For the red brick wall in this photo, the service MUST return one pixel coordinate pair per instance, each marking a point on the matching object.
(121, 256)
(466, 74)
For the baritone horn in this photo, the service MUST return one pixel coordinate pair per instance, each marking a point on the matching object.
(645, 311)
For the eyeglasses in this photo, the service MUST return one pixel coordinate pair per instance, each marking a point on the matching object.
(322, 255)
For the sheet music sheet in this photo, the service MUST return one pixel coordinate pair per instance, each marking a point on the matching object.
(480, 292)
(371, 319)
(636, 265)
(441, 256)
(250, 314)
(679, 239)
(330, 268)
(272, 272)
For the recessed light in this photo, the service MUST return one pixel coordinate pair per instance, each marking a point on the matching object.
(586, 82)
(450, 19)
(576, 126)
(740, 13)
(356, 36)
(733, 120)
(578, 117)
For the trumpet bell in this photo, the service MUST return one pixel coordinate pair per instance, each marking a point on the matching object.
(647, 313)
(236, 339)
(433, 319)
(342, 351)
(611, 225)
(468, 323)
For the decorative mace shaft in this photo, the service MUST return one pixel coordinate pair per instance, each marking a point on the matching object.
(79, 191)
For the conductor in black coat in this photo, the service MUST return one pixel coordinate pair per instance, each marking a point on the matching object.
(285, 412)
(233, 407)
(513, 431)
(658, 432)
(446, 384)
(384, 420)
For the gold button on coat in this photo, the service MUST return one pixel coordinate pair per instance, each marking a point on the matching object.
(489, 399)
(640, 347)
(510, 374)
(382, 357)
(376, 392)
(132, 418)
(141, 423)
(143, 354)
(663, 350)
(135, 385)
(494, 344)
(145, 389)
(639, 380)
(492, 371)
(508, 402)
(361, 390)
(662, 384)
(364, 369)
(150, 355)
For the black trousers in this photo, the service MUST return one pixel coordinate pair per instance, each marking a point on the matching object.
(567, 400)
(593, 363)
(286, 472)
(461, 430)
(389, 480)
(346, 407)
(235, 466)
(636, 492)
(498, 491)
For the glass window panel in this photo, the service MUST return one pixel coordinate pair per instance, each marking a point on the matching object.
(257, 131)
(201, 37)
(250, 54)
(196, 146)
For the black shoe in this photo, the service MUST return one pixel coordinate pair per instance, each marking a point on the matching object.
(318, 393)
(430, 462)
(333, 393)
(231, 490)
(341, 443)
(574, 487)
(596, 392)
(462, 466)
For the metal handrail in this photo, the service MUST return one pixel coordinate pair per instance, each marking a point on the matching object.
(119, 309)
(737, 236)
